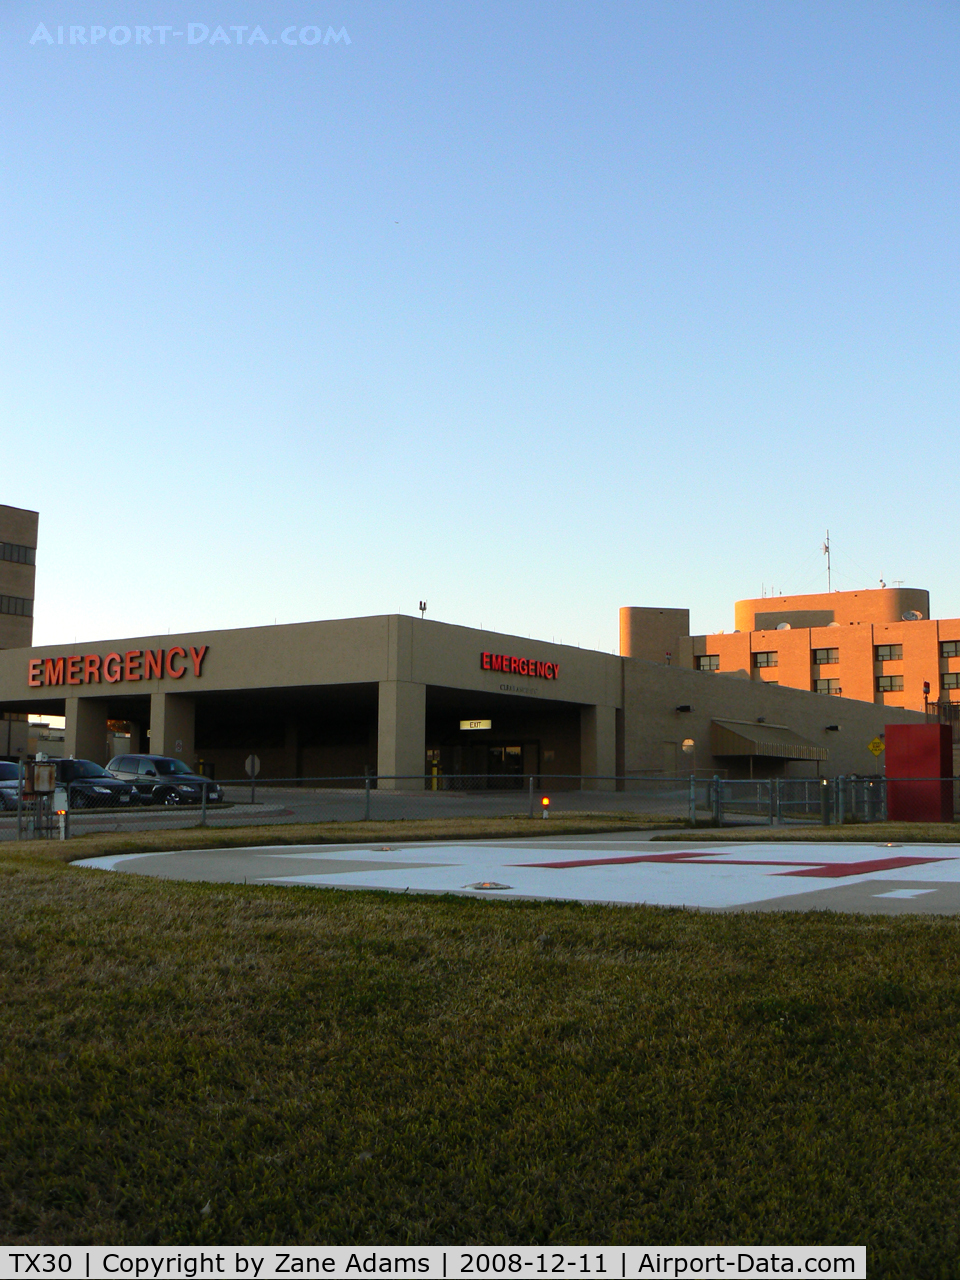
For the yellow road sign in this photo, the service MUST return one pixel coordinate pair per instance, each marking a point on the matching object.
(876, 746)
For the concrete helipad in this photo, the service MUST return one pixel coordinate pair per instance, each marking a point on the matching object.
(883, 878)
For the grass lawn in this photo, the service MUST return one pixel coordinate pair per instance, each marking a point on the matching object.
(331, 1067)
(289, 833)
(849, 833)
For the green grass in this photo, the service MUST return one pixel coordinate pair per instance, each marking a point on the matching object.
(289, 833)
(332, 1068)
(849, 833)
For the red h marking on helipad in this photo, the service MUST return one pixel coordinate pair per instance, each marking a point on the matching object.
(810, 867)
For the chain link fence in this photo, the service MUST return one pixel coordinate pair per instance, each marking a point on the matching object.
(79, 808)
(786, 801)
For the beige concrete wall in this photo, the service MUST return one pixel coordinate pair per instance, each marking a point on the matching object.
(653, 635)
(14, 737)
(439, 654)
(19, 527)
(400, 736)
(348, 651)
(85, 730)
(654, 730)
(172, 726)
(598, 747)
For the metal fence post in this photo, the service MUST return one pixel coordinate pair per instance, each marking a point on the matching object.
(824, 802)
(203, 804)
(20, 801)
(841, 797)
(717, 801)
(366, 793)
(693, 799)
(66, 815)
(530, 788)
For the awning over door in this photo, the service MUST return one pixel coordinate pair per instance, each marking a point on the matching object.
(747, 738)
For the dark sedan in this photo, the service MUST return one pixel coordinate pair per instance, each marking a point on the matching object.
(91, 787)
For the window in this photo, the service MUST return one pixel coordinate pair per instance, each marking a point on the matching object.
(950, 648)
(823, 657)
(768, 659)
(709, 662)
(827, 686)
(889, 684)
(16, 605)
(19, 555)
(888, 653)
(950, 680)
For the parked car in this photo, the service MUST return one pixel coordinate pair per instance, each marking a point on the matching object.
(8, 784)
(91, 787)
(164, 780)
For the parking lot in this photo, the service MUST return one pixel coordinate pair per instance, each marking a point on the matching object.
(244, 806)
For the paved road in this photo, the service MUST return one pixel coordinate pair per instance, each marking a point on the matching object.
(876, 878)
(301, 804)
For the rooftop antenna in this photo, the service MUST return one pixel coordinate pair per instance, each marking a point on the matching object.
(826, 552)
(423, 609)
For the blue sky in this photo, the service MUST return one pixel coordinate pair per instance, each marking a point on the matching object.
(528, 310)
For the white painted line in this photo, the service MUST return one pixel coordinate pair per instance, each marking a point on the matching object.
(904, 893)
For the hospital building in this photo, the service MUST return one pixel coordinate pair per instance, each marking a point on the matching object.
(412, 701)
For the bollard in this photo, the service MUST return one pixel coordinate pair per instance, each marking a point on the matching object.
(62, 815)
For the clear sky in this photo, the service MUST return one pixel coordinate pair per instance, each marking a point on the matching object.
(529, 310)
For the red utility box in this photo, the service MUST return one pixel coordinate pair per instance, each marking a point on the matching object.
(918, 762)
